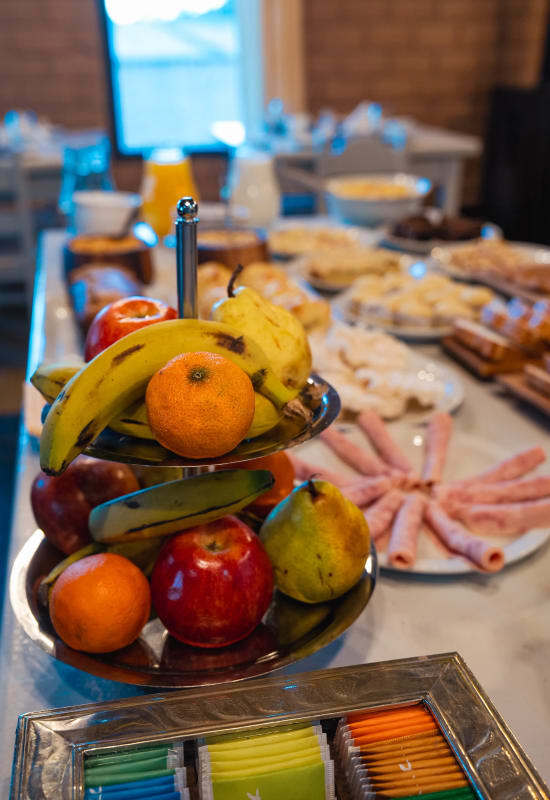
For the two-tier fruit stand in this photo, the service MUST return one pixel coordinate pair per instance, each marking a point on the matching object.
(290, 630)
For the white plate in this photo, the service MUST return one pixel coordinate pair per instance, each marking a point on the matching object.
(468, 455)
(300, 267)
(413, 333)
(425, 247)
(440, 258)
(363, 236)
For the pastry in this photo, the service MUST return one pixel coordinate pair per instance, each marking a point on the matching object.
(94, 286)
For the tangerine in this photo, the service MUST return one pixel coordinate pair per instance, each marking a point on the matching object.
(200, 405)
(282, 469)
(100, 603)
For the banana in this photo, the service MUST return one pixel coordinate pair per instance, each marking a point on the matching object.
(174, 506)
(50, 379)
(266, 416)
(118, 376)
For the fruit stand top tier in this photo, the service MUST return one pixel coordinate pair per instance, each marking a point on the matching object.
(317, 396)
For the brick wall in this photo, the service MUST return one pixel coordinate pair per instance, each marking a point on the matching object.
(433, 59)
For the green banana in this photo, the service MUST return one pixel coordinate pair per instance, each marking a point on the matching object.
(177, 505)
(118, 377)
(50, 379)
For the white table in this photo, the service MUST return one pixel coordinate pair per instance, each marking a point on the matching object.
(500, 624)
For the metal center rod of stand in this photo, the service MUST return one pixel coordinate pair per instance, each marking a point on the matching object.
(186, 266)
(186, 257)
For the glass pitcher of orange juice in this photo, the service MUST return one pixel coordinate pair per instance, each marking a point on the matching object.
(167, 176)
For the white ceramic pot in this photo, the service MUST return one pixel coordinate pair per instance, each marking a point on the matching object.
(254, 187)
(103, 213)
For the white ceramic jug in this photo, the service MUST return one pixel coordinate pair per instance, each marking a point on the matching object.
(254, 187)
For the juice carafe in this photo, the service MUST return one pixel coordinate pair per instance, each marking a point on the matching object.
(167, 176)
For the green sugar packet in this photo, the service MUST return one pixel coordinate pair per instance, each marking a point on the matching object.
(308, 782)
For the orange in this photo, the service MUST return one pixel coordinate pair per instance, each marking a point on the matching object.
(100, 603)
(280, 465)
(200, 405)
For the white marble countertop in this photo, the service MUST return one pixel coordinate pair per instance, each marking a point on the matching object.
(500, 624)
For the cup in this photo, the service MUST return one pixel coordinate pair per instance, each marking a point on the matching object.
(103, 213)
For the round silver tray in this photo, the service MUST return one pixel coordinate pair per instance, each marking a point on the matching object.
(318, 396)
(289, 632)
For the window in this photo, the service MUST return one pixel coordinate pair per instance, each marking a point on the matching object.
(177, 67)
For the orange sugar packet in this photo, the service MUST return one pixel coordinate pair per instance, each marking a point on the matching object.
(412, 764)
(418, 771)
(421, 787)
(390, 718)
(431, 749)
(393, 732)
(404, 742)
(358, 716)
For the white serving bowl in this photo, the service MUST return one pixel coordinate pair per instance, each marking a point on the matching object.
(103, 213)
(375, 210)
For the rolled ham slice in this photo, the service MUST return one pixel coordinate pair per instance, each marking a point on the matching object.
(510, 468)
(503, 492)
(438, 434)
(401, 550)
(352, 454)
(375, 429)
(380, 515)
(460, 541)
(505, 519)
(305, 470)
(364, 490)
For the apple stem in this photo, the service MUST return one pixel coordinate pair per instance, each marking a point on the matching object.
(231, 285)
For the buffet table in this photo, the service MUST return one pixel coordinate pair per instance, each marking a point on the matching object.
(498, 623)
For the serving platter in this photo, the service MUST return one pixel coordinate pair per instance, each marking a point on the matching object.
(467, 455)
(289, 632)
(409, 333)
(318, 397)
(425, 247)
(51, 745)
(441, 259)
(357, 235)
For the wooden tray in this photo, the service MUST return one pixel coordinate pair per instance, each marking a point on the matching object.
(517, 385)
(482, 367)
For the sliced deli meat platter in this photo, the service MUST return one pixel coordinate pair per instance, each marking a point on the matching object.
(437, 501)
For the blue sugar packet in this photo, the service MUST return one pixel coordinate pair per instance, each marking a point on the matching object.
(139, 788)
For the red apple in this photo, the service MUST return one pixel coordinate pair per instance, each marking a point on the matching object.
(212, 584)
(122, 317)
(62, 504)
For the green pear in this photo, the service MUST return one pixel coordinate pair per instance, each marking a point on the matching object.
(318, 542)
(279, 333)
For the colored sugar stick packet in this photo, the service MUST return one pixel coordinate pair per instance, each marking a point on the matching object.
(463, 793)
(274, 764)
(140, 788)
(105, 778)
(411, 764)
(276, 750)
(426, 740)
(131, 754)
(253, 739)
(400, 716)
(398, 753)
(418, 788)
(314, 781)
(392, 732)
